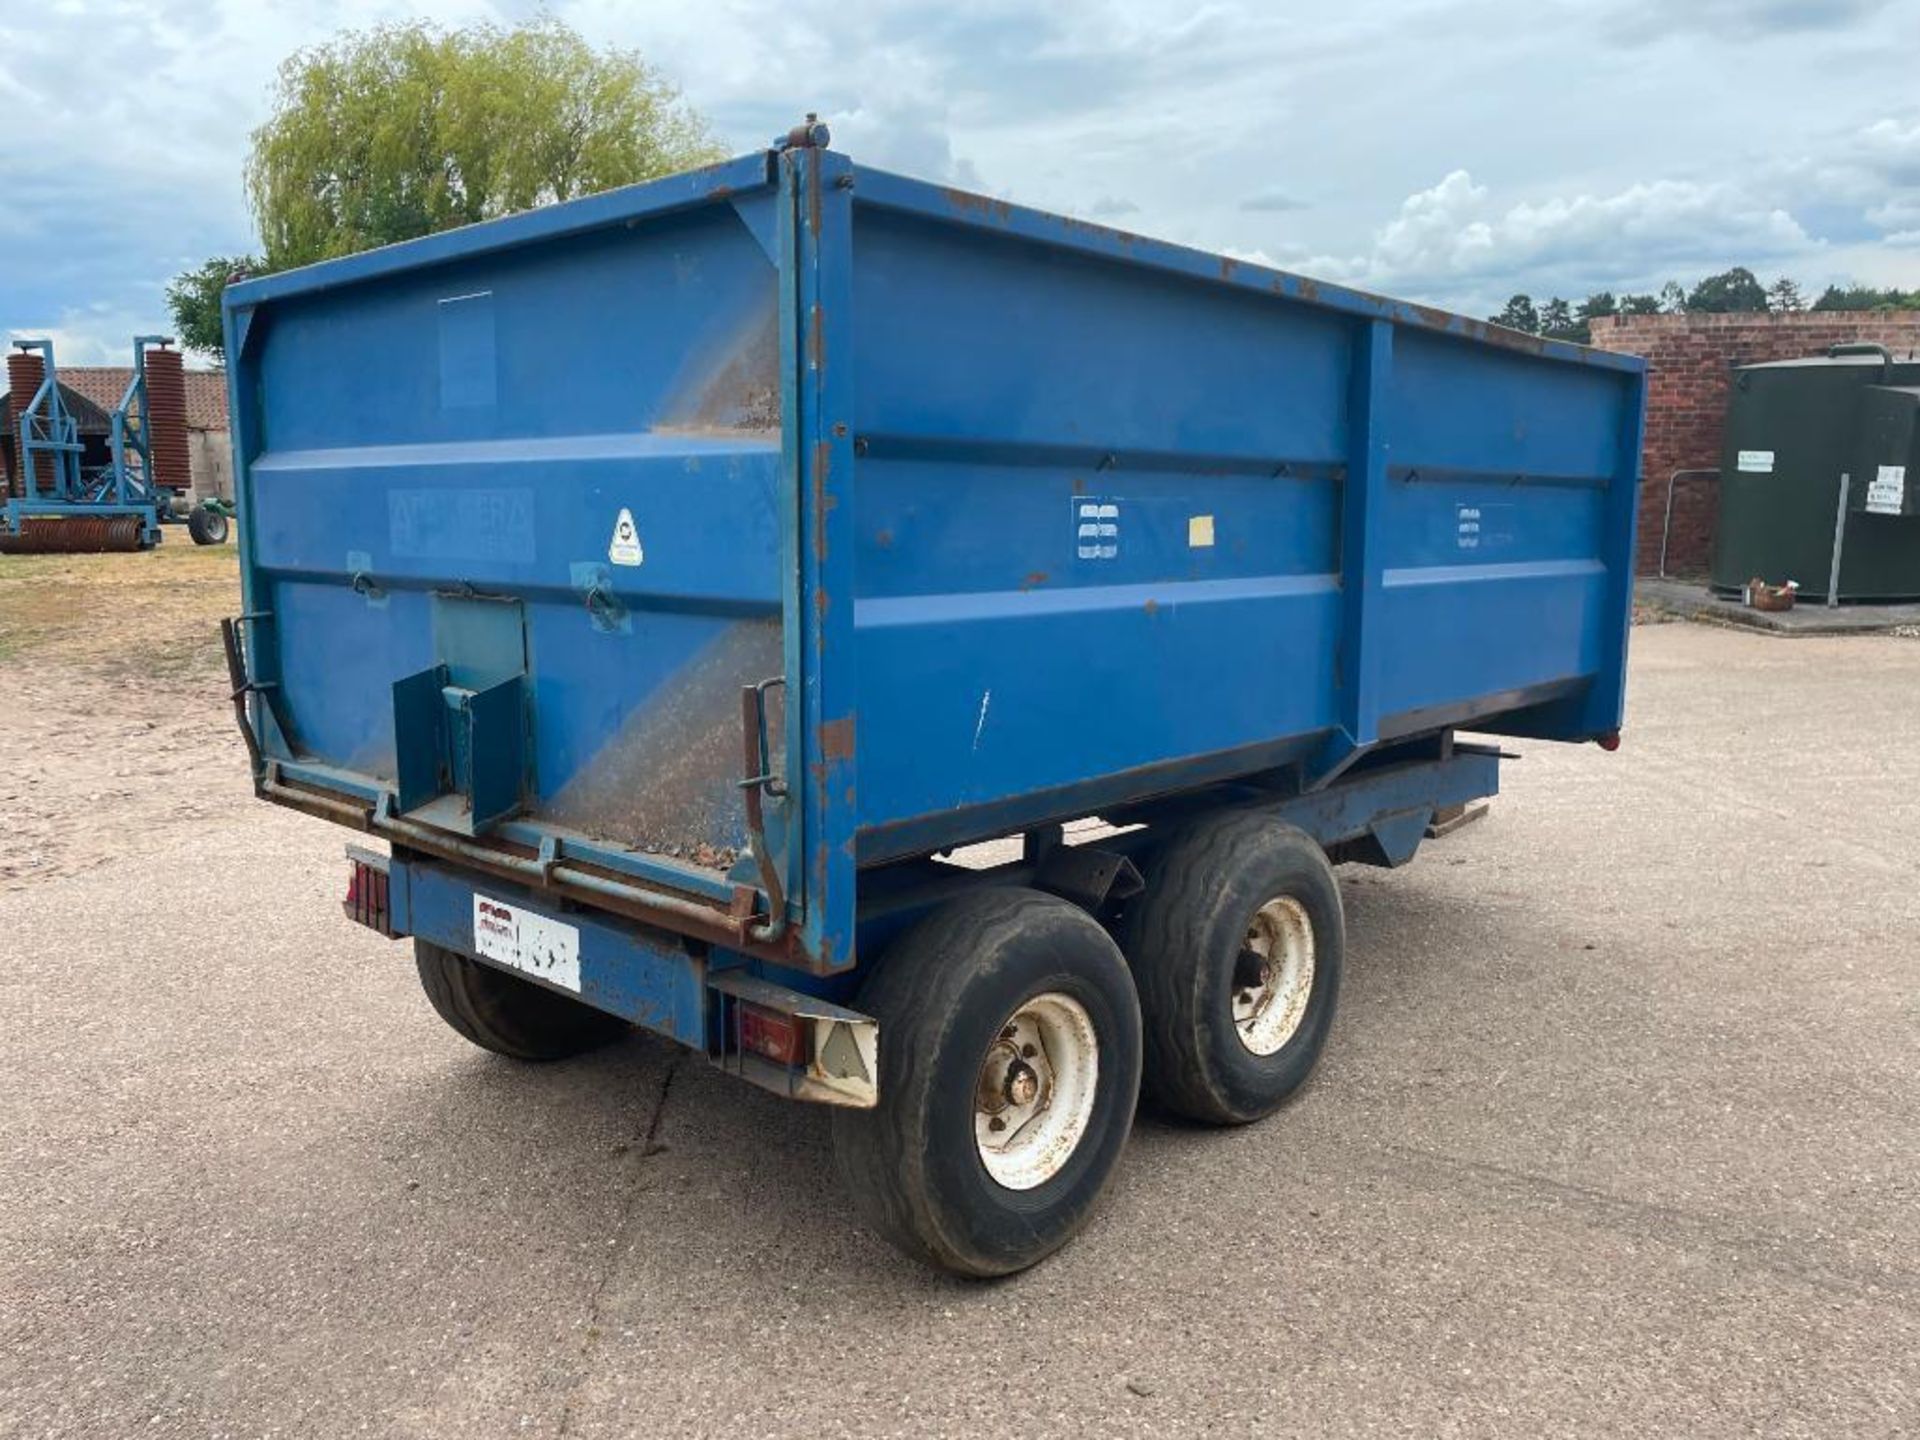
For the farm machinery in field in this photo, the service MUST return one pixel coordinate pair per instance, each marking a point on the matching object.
(72, 493)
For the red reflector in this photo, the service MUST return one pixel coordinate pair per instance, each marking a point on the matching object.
(367, 901)
(774, 1036)
(1610, 741)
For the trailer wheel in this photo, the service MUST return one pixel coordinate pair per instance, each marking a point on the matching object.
(1236, 945)
(207, 527)
(508, 1015)
(1009, 1070)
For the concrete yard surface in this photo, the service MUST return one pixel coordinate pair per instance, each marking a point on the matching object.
(1617, 1132)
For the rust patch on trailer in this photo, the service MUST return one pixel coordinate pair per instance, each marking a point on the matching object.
(1152, 607)
(883, 537)
(1035, 579)
(823, 501)
(1466, 326)
(1099, 231)
(984, 206)
(667, 781)
(836, 739)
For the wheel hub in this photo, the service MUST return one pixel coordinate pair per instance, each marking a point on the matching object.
(1273, 977)
(1023, 1084)
(1034, 1096)
(1007, 1081)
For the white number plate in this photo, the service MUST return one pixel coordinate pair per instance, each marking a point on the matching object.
(516, 936)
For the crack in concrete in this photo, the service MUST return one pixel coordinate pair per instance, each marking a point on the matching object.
(649, 1147)
(1782, 1254)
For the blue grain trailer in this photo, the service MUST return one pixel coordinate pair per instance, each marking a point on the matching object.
(675, 578)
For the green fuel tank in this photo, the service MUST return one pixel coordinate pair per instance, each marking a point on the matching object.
(1794, 429)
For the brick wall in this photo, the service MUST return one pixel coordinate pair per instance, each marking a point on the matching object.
(1690, 363)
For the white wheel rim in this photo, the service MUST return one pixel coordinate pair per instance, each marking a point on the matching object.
(1034, 1098)
(1273, 979)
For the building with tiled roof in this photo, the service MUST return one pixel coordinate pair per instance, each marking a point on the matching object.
(105, 384)
(91, 393)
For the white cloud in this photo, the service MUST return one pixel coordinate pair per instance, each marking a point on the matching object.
(903, 133)
(1278, 201)
(94, 335)
(1565, 163)
(1454, 240)
(1896, 216)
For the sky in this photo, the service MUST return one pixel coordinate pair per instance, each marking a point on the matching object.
(1452, 153)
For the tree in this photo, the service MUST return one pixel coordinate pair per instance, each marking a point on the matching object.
(1784, 296)
(1519, 314)
(194, 299)
(402, 130)
(1731, 290)
(1866, 297)
(391, 133)
(1596, 306)
(1673, 299)
(1556, 320)
(1639, 304)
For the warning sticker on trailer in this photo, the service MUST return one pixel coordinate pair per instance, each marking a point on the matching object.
(515, 936)
(1887, 491)
(1756, 462)
(624, 548)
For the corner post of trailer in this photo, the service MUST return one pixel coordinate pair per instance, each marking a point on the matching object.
(255, 644)
(1606, 702)
(819, 219)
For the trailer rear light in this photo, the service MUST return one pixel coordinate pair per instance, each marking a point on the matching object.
(791, 1043)
(1610, 741)
(369, 899)
(773, 1036)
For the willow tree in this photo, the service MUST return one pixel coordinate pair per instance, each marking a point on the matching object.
(399, 131)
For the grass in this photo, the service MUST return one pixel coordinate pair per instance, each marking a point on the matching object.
(153, 613)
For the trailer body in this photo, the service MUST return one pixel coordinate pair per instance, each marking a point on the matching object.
(679, 571)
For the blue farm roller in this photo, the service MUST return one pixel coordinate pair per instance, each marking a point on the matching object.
(676, 577)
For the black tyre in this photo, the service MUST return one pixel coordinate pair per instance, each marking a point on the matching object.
(508, 1015)
(207, 527)
(1236, 946)
(1009, 1070)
